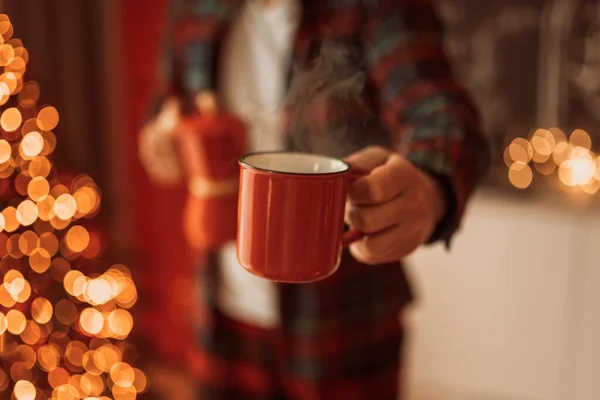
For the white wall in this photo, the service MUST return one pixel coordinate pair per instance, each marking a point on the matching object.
(513, 311)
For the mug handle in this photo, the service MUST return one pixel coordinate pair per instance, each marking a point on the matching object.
(353, 235)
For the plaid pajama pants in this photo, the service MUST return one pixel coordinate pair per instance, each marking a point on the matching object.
(237, 361)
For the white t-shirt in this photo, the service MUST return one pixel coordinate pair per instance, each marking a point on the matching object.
(253, 82)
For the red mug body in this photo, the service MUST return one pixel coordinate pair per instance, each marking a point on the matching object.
(291, 215)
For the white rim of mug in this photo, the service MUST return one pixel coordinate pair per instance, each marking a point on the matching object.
(307, 174)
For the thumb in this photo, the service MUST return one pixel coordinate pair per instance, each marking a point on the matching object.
(369, 158)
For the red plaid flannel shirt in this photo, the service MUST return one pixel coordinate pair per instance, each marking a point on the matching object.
(429, 116)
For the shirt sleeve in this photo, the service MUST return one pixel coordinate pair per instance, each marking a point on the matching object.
(431, 117)
(186, 57)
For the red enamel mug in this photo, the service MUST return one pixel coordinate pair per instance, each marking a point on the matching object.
(291, 215)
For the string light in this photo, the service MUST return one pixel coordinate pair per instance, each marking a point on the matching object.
(70, 344)
(551, 152)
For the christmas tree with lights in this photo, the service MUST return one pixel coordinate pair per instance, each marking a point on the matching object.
(64, 319)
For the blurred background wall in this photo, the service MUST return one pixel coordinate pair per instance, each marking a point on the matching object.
(511, 313)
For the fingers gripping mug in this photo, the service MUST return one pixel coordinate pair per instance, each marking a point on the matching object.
(291, 215)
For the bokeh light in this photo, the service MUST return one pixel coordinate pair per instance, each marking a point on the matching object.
(39, 261)
(10, 219)
(24, 390)
(570, 160)
(3, 323)
(59, 323)
(120, 323)
(41, 310)
(48, 358)
(16, 322)
(5, 151)
(122, 374)
(32, 144)
(65, 206)
(580, 138)
(520, 175)
(520, 150)
(38, 188)
(91, 321)
(47, 118)
(11, 119)
(77, 238)
(27, 212)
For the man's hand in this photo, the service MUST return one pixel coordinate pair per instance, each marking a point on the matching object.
(397, 206)
(157, 146)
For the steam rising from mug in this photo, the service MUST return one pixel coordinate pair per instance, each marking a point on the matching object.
(327, 110)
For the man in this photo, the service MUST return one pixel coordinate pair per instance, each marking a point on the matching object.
(339, 338)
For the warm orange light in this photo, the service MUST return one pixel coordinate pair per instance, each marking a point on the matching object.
(27, 212)
(111, 354)
(3, 323)
(520, 175)
(69, 281)
(10, 219)
(49, 242)
(32, 144)
(28, 242)
(86, 200)
(591, 188)
(65, 206)
(141, 382)
(580, 138)
(579, 169)
(94, 362)
(77, 238)
(520, 150)
(128, 295)
(37, 243)
(92, 385)
(38, 188)
(31, 335)
(7, 53)
(48, 358)
(6, 299)
(39, 166)
(98, 291)
(75, 351)
(5, 151)
(46, 208)
(16, 322)
(122, 374)
(120, 323)
(11, 80)
(57, 377)
(20, 372)
(66, 392)
(41, 310)
(48, 118)
(17, 66)
(24, 390)
(91, 320)
(13, 281)
(123, 393)
(49, 142)
(39, 260)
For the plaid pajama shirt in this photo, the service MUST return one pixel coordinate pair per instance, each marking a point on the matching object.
(339, 338)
